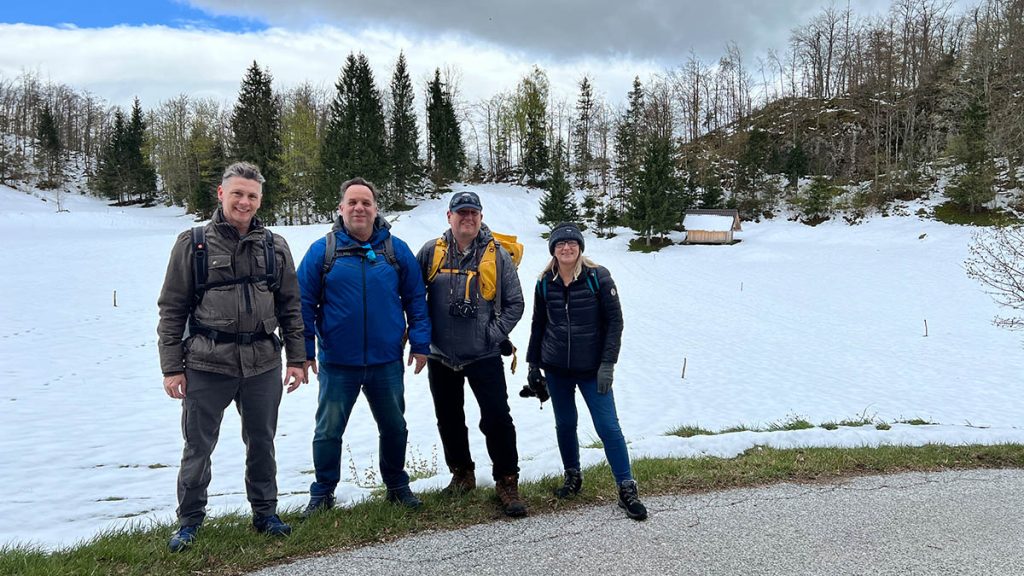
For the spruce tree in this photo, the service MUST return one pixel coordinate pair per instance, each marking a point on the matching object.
(532, 101)
(110, 177)
(581, 130)
(444, 135)
(972, 183)
(629, 141)
(256, 134)
(558, 203)
(48, 153)
(405, 147)
(142, 175)
(355, 143)
(650, 205)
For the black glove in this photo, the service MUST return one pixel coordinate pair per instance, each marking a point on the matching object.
(506, 348)
(536, 385)
(605, 375)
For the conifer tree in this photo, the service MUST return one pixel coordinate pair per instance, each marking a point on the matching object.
(355, 143)
(109, 179)
(256, 134)
(404, 146)
(558, 203)
(629, 141)
(48, 154)
(444, 134)
(971, 186)
(142, 174)
(651, 210)
(124, 173)
(532, 101)
(581, 130)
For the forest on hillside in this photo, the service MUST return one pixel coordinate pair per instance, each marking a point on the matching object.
(854, 113)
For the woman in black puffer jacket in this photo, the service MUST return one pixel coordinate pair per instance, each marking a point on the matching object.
(574, 338)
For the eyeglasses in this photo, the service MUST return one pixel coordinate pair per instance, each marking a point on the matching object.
(564, 243)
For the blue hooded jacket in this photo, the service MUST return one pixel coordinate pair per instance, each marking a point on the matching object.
(366, 303)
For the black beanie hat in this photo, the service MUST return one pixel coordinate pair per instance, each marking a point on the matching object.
(564, 231)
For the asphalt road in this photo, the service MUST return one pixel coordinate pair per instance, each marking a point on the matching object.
(965, 522)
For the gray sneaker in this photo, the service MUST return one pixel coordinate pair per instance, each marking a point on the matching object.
(318, 503)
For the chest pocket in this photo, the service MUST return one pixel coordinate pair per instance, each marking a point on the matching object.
(219, 269)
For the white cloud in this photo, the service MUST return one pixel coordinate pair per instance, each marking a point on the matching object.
(157, 62)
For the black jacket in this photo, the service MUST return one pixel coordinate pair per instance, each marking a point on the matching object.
(576, 327)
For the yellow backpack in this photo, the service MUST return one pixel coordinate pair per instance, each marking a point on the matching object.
(487, 268)
(490, 285)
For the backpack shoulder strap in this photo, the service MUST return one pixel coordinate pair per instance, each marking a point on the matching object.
(593, 282)
(497, 279)
(439, 255)
(390, 256)
(199, 262)
(271, 260)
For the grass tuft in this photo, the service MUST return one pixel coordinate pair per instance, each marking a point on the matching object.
(228, 545)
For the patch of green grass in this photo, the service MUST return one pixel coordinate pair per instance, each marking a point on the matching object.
(737, 428)
(690, 432)
(227, 544)
(883, 426)
(830, 426)
(855, 422)
(950, 213)
(640, 245)
(916, 422)
(791, 423)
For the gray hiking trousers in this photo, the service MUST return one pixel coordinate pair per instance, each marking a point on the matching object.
(207, 395)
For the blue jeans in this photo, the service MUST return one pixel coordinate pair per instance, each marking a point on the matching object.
(385, 392)
(602, 412)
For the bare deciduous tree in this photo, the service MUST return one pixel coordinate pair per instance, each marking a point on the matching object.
(997, 262)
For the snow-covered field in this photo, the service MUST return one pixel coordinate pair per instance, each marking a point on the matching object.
(825, 323)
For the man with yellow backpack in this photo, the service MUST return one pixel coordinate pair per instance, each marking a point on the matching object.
(474, 301)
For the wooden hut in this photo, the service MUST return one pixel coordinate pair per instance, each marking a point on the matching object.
(707, 226)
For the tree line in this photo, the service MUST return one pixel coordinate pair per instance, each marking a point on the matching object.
(850, 100)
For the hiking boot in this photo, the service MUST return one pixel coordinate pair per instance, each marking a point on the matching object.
(405, 497)
(507, 488)
(183, 538)
(572, 485)
(272, 525)
(463, 481)
(317, 504)
(629, 500)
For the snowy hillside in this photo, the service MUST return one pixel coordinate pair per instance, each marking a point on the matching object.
(826, 323)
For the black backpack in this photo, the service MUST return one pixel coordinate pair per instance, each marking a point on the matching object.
(332, 252)
(200, 266)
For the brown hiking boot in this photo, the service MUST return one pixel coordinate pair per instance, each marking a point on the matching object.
(507, 488)
(463, 481)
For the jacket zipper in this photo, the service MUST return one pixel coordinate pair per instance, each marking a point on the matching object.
(365, 332)
(568, 330)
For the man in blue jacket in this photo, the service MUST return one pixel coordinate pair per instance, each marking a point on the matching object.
(358, 302)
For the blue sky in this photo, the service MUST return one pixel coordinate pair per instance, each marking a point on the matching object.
(107, 13)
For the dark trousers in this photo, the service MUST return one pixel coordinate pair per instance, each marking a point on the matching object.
(385, 393)
(487, 380)
(207, 395)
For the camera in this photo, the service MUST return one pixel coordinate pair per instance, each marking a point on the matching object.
(462, 309)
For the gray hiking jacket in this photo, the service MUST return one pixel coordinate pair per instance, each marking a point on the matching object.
(235, 308)
(458, 339)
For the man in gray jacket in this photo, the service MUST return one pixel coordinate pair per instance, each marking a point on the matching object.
(229, 287)
(475, 300)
